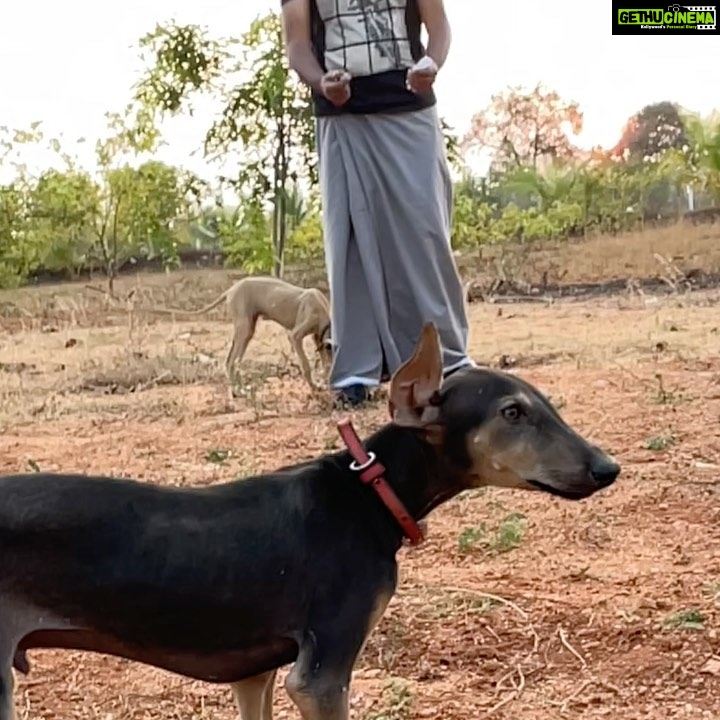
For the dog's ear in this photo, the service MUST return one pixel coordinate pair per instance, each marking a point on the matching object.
(415, 384)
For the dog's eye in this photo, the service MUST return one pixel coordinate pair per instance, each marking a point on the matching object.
(512, 413)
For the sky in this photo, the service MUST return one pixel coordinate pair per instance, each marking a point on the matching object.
(67, 63)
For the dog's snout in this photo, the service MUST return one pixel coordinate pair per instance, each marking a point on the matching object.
(604, 471)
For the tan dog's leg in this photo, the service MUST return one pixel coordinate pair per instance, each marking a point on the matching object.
(242, 334)
(254, 696)
(297, 336)
(305, 323)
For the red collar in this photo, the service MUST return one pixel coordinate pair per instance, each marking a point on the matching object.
(372, 473)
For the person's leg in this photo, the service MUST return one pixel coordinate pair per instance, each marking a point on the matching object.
(357, 353)
(402, 209)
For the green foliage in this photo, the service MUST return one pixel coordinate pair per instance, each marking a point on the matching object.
(13, 239)
(184, 60)
(396, 702)
(540, 187)
(62, 208)
(685, 620)
(306, 240)
(244, 234)
(66, 219)
(138, 206)
(563, 199)
(149, 200)
(266, 120)
(507, 536)
(701, 157)
(659, 443)
(452, 146)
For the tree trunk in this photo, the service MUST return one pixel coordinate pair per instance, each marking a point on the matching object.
(111, 274)
(282, 230)
(275, 231)
(280, 210)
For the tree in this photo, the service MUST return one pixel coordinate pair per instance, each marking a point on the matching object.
(16, 250)
(13, 261)
(703, 152)
(267, 116)
(138, 206)
(243, 233)
(545, 187)
(652, 131)
(138, 213)
(522, 128)
(62, 209)
(452, 146)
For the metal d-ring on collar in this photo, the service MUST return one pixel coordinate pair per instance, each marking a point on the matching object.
(372, 473)
(356, 467)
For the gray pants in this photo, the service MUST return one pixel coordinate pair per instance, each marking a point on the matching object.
(387, 204)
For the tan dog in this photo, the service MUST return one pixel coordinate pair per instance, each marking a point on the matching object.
(301, 311)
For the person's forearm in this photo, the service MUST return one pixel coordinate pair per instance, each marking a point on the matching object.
(439, 40)
(303, 61)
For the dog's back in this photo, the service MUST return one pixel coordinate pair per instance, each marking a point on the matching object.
(272, 298)
(113, 555)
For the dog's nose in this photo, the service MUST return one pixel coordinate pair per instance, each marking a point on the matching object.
(604, 471)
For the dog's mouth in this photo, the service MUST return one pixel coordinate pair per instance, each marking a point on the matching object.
(563, 493)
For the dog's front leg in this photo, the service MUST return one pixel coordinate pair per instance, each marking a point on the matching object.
(296, 338)
(254, 696)
(319, 682)
(319, 690)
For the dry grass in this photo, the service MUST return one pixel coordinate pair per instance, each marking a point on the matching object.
(629, 256)
(518, 606)
(632, 255)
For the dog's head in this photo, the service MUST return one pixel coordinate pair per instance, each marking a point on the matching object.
(323, 343)
(497, 429)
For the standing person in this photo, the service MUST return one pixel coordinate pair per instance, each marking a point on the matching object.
(385, 184)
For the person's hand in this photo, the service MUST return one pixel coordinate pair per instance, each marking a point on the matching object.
(335, 86)
(421, 76)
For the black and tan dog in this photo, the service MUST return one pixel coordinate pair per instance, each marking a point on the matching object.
(229, 583)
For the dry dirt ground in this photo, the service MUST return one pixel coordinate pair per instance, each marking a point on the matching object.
(518, 606)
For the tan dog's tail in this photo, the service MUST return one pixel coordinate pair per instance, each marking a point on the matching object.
(201, 311)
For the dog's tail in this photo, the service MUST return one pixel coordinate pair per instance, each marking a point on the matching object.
(177, 311)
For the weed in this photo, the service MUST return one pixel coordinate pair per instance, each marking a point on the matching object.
(395, 704)
(659, 443)
(685, 620)
(471, 537)
(448, 603)
(663, 396)
(507, 536)
(217, 456)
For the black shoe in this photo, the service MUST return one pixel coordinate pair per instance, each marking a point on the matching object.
(352, 396)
